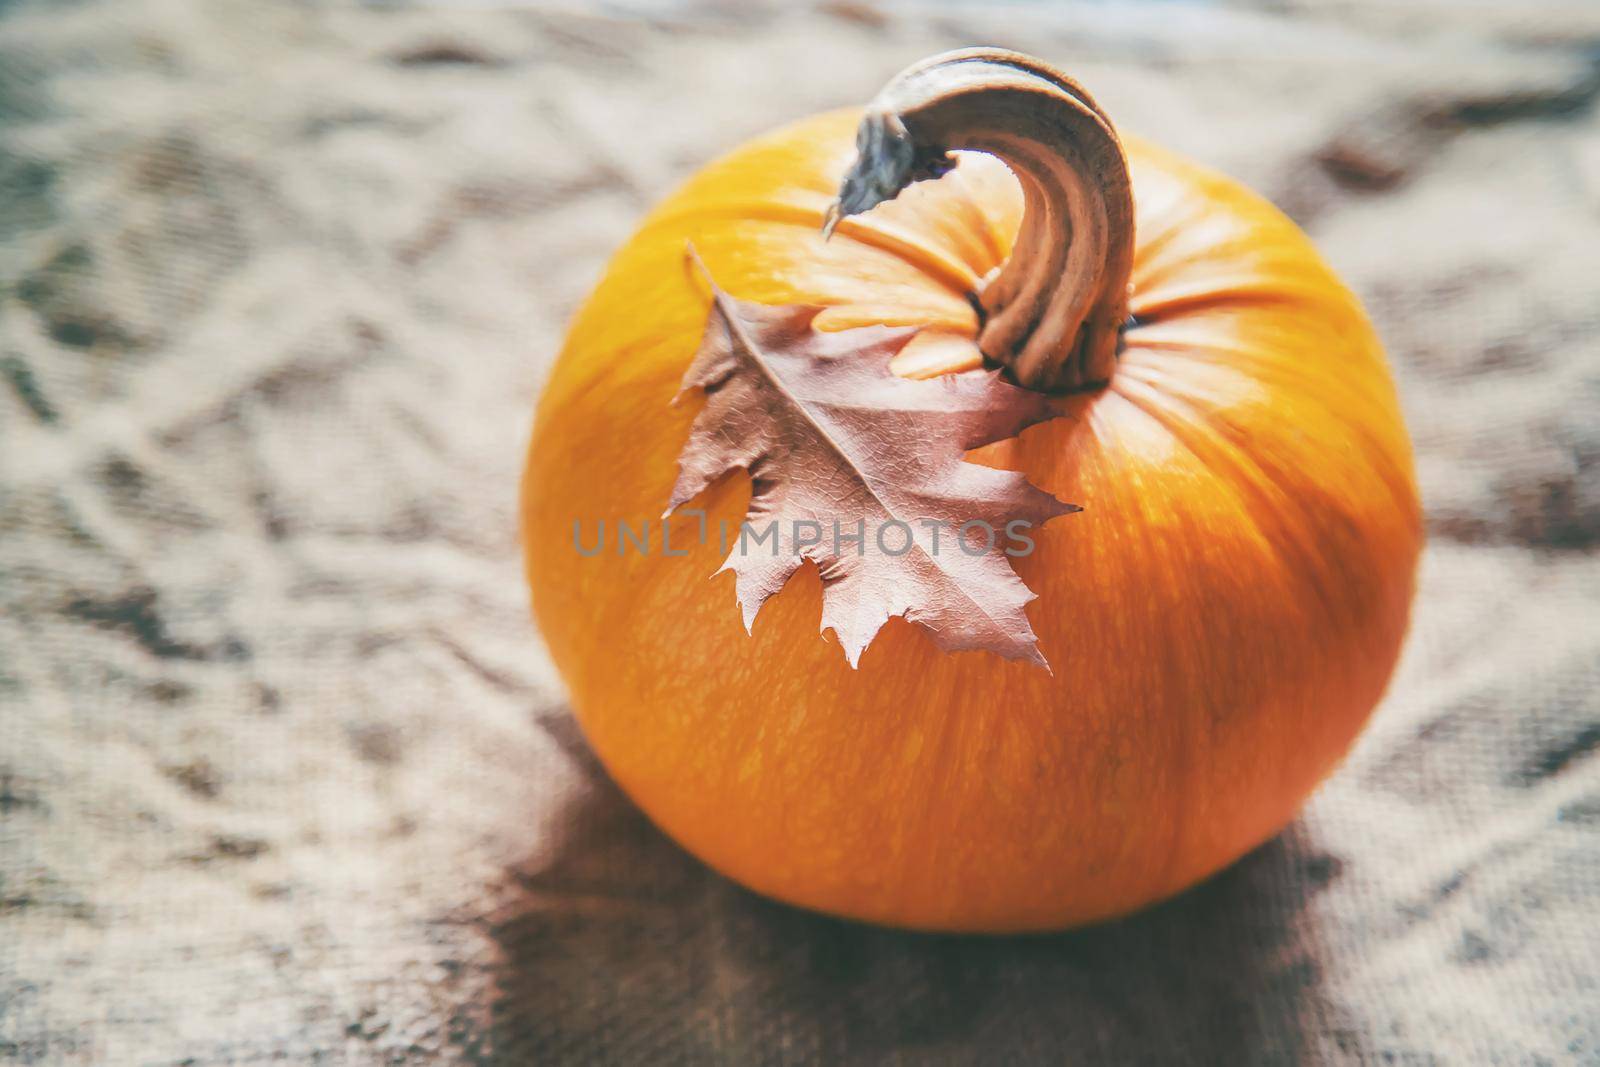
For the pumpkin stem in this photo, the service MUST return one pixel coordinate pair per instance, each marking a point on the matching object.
(1054, 312)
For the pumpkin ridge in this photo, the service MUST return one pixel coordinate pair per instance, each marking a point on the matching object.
(1249, 479)
(1358, 392)
(948, 271)
(1213, 295)
(994, 242)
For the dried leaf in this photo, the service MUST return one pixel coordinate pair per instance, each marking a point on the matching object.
(836, 444)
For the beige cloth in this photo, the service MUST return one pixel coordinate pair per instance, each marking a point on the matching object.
(283, 771)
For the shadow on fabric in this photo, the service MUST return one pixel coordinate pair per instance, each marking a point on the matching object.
(618, 947)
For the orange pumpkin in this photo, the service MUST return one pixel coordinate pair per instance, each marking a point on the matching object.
(1220, 619)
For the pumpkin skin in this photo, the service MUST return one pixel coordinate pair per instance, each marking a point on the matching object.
(1220, 619)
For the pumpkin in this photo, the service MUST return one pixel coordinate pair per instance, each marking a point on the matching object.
(1219, 620)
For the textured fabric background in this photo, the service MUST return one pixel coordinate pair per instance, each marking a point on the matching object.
(284, 774)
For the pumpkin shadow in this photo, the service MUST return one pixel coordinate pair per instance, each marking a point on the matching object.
(618, 947)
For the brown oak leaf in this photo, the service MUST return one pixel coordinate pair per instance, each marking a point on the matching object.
(837, 446)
